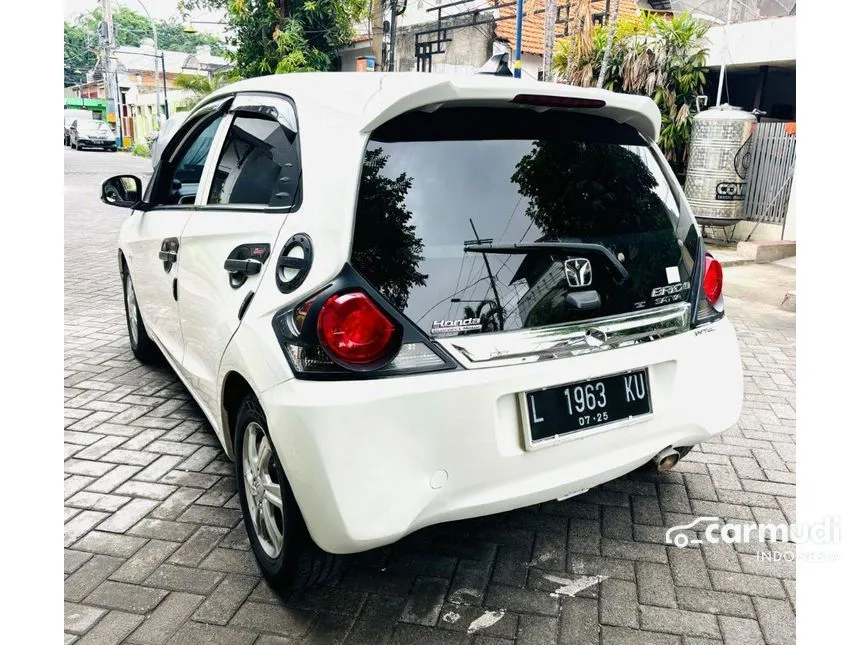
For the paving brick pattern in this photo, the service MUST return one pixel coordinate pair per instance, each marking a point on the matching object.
(156, 553)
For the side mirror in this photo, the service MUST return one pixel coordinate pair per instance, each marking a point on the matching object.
(124, 191)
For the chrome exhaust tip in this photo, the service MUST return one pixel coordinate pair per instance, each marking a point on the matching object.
(666, 459)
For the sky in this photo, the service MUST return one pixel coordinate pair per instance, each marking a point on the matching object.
(158, 9)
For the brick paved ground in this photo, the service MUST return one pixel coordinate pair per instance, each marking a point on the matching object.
(155, 551)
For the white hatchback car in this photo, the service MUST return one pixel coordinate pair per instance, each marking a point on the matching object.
(404, 299)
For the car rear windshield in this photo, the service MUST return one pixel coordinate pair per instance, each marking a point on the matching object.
(475, 220)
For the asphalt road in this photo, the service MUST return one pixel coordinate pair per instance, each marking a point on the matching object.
(155, 551)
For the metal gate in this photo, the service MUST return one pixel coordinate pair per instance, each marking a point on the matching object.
(771, 171)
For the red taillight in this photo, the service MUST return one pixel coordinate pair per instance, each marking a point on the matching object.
(354, 330)
(713, 282)
(558, 101)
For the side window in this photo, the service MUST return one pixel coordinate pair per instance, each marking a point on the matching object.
(259, 164)
(182, 176)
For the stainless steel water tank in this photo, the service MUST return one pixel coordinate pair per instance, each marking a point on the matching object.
(718, 164)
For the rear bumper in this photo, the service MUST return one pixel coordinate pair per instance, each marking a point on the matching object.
(371, 461)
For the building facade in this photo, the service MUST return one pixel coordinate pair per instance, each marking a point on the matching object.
(147, 85)
(447, 36)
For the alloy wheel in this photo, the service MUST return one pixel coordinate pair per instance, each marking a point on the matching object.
(131, 309)
(263, 490)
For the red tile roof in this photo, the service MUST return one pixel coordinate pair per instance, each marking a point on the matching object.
(533, 24)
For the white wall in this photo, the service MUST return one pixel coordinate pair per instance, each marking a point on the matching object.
(761, 232)
(757, 42)
(532, 64)
(416, 14)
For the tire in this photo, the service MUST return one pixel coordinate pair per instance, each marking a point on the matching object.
(298, 563)
(142, 346)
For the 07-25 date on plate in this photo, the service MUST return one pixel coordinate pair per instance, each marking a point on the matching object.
(586, 404)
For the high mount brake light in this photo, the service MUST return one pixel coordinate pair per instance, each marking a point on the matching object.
(557, 101)
(353, 329)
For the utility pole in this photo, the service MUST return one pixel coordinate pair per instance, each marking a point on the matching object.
(377, 18)
(107, 44)
(478, 240)
(164, 80)
(392, 35)
(155, 60)
(548, 39)
(518, 50)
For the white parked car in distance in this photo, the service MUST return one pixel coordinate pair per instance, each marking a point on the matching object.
(404, 299)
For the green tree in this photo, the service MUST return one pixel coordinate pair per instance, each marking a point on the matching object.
(604, 193)
(489, 317)
(81, 39)
(386, 249)
(130, 26)
(604, 63)
(78, 54)
(202, 86)
(649, 55)
(599, 188)
(279, 36)
(172, 36)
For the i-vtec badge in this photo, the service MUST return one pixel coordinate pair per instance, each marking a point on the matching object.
(455, 326)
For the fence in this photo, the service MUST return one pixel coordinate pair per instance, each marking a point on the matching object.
(771, 171)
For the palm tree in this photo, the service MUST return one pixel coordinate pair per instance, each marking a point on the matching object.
(662, 59)
(571, 60)
(490, 318)
(201, 86)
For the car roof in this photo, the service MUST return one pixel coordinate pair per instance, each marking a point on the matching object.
(371, 99)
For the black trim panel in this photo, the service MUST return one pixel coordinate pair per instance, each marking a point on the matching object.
(349, 280)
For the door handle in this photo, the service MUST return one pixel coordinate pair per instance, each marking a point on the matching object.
(169, 252)
(244, 267)
(244, 261)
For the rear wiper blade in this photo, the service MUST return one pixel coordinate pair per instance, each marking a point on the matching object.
(575, 247)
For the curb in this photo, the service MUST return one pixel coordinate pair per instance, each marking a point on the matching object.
(736, 262)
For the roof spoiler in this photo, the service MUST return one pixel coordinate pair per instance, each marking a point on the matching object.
(638, 111)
